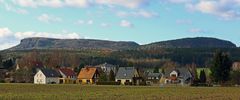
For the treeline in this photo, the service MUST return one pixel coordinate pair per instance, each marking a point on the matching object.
(144, 58)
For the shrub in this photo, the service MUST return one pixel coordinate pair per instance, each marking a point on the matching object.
(128, 83)
(142, 83)
(108, 83)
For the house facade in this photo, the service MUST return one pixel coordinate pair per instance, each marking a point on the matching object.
(127, 75)
(153, 78)
(46, 76)
(68, 76)
(88, 75)
(236, 66)
(178, 76)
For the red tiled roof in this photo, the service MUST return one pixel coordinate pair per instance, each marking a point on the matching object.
(67, 72)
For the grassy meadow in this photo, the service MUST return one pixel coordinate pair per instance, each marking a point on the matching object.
(86, 92)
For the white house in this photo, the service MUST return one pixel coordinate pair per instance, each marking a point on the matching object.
(46, 76)
(178, 76)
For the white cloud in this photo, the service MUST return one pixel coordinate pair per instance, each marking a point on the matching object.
(180, 1)
(11, 8)
(125, 3)
(197, 30)
(105, 25)
(78, 3)
(226, 9)
(53, 3)
(5, 32)
(139, 13)
(125, 23)
(48, 18)
(9, 38)
(88, 22)
(81, 3)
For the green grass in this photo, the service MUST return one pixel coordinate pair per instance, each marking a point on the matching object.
(78, 92)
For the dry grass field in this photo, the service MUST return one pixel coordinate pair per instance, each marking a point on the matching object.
(93, 92)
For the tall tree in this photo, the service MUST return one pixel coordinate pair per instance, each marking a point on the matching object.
(1, 61)
(203, 77)
(111, 76)
(78, 68)
(220, 68)
(193, 68)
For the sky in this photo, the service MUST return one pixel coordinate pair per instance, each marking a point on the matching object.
(142, 21)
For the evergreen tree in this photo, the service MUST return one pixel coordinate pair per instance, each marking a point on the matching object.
(78, 69)
(203, 77)
(111, 76)
(103, 77)
(156, 70)
(220, 67)
(8, 63)
(0, 61)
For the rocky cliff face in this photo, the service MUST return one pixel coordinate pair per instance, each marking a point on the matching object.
(49, 43)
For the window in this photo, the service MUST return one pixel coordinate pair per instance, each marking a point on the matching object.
(119, 80)
(80, 81)
(88, 81)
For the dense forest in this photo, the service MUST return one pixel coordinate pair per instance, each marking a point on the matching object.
(144, 58)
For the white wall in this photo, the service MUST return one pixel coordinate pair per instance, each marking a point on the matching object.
(174, 73)
(123, 80)
(39, 78)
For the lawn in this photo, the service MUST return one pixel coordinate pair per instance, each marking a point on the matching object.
(78, 92)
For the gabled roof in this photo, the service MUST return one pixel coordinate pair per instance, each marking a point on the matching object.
(182, 73)
(154, 75)
(50, 72)
(87, 73)
(67, 72)
(125, 73)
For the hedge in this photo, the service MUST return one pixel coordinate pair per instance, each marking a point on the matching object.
(108, 83)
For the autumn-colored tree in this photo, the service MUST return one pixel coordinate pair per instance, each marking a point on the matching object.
(193, 69)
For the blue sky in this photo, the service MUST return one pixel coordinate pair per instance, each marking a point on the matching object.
(142, 21)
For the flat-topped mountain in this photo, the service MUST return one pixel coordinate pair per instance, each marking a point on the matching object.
(198, 42)
(50, 43)
(75, 44)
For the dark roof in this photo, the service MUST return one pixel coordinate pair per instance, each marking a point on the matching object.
(183, 73)
(67, 72)
(125, 73)
(50, 72)
(154, 74)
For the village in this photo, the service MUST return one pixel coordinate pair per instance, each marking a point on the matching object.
(113, 74)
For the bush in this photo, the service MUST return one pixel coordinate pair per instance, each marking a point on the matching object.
(128, 83)
(142, 83)
(108, 83)
(2, 81)
(201, 85)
